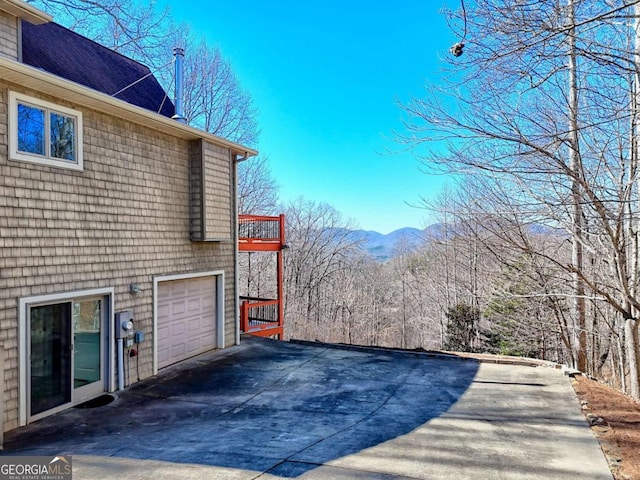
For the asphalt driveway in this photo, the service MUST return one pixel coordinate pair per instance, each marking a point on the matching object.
(269, 409)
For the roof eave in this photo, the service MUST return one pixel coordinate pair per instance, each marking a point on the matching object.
(25, 11)
(45, 82)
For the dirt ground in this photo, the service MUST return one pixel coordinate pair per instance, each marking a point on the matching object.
(615, 420)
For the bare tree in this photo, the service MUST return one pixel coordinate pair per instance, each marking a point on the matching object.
(575, 164)
(320, 248)
(526, 68)
(257, 188)
(213, 97)
(138, 30)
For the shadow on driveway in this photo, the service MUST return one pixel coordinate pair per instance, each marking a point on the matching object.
(264, 406)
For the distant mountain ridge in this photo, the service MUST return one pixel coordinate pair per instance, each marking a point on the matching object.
(384, 246)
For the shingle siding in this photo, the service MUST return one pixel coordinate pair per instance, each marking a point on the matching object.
(123, 220)
(217, 191)
(8, 36)
(211, 183)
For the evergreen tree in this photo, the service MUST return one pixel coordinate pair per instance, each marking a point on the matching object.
(463, 322)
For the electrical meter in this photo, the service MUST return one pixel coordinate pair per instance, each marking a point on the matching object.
(124, 324)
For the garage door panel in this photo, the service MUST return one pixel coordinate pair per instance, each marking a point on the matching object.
(178, 350)
(178, 309)
(208, 303)
(163, 309)
(163, 356)
(194, 306)
(205, 329)
(186, 318)
(194, 327)
(163, 333)
(178, 328)
(194, 347)
(178, 289)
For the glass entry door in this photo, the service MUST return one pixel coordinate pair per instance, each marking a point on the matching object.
(66, 353)
(50, 357)
(87, 347)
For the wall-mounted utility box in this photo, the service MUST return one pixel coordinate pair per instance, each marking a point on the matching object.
(124, 324)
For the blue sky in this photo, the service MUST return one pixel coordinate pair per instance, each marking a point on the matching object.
(326, 77)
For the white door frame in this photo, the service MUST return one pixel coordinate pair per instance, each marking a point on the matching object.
(220, 317)
(23, 340)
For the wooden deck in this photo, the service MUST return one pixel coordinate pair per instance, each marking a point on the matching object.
(260, 316)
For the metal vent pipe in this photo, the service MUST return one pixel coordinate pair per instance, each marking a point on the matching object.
(178, 53)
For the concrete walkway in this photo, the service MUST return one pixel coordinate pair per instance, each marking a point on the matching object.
(268, 409)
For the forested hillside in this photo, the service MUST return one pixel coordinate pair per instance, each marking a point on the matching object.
(537, 251)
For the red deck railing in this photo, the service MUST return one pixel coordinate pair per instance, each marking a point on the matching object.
(258, 233)
(260, 317)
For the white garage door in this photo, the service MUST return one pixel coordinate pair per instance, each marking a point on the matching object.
(186, 318)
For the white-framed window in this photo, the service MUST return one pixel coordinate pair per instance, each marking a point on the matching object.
(45, 133)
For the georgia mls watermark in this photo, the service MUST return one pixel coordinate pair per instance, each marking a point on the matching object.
(35, 468)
